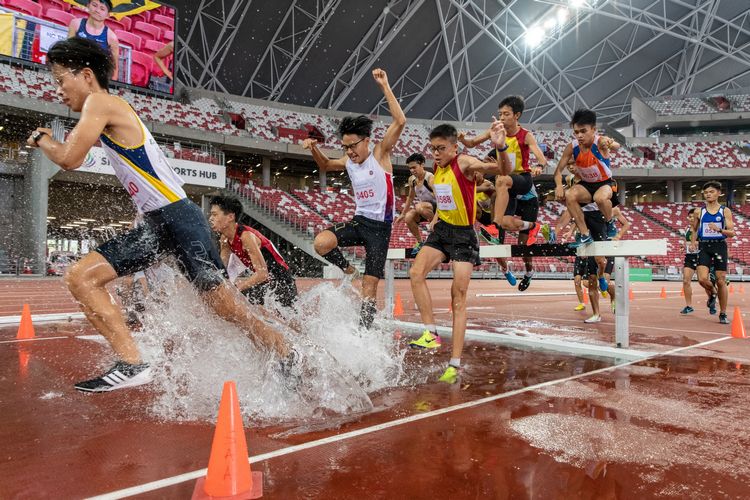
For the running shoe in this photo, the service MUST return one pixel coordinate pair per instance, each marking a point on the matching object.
(581, 241)
(511, 279)
(723, 319)
(603, 285)
(121, 376)
(451, 374)
(546, 231)
(291, 370)
(593, 319)
(412, 252)
(605, 293)
(490, 234)
(711, 304)
(531, 240)
(611, 229)
(687, 310)
(426, 341)
(524, 284)
(579, 307)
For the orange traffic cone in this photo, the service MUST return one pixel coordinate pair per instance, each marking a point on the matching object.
(630, 294)
(398, 307)
(663, 293)
(26, 328)
(229, 475)
(731, 288)
(738, 327)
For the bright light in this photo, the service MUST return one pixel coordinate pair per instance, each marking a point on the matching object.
(562, 15)
(88, 220)
(639, 185)
(549, 24)
(51, 218)
(577, 3)
(534, 36)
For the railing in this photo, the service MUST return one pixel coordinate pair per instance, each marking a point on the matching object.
(32, 37)
(15, 154)
(21, 266)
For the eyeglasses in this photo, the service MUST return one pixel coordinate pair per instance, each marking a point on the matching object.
(438, 149)
(347, 147)
(59, 80)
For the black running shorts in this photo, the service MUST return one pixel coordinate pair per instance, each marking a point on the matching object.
(580, 266)
(374, 235)
(713, 254)
(281, 285)
(691, 261)
(458, 243)
(522, 184)
(179, 229)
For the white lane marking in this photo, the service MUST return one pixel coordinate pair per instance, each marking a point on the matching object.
(162, 483)
(14, 341)
(39, 318)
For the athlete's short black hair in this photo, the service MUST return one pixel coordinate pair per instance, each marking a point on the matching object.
(514, 102)
(229, 205)
(445, 131)
(692, 211)
(417, 157)
(76, 54)
(584, 117)
(108, 3)
(359, 125)
(713, 184)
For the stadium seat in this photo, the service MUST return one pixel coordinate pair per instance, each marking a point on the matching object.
(167, 36)
(134, 41)
(115, 25)
(140, 68)
(163, 22)
(54, 4)
(146, 31)
(152, 46)
(58, 17)
(25, 6)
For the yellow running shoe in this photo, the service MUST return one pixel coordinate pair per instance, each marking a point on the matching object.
(450, 376)
(426, 341)
(605, 294)
(580, 307)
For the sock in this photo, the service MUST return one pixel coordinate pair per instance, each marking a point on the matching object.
(367, 313)
(529, 274)
(432, 329)
(337, 258)
(526, 225)
(455, 362)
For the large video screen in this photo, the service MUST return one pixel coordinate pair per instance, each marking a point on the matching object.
(140, 34)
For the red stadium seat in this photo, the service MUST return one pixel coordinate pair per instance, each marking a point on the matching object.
(25, 7)
(54, 4)
(167, 36)
(163, 22)
(127, 22)
(115, 25)
(59, 17)
(140, 68)
(134, 41)
(152, 46)
(146, 31)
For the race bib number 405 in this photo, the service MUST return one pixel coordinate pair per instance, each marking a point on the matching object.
(444, 195)
(365, 193)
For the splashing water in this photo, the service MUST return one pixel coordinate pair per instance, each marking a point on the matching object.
(193, 352)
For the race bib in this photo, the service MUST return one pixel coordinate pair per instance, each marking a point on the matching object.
(235, 267)
(444, 195)
(364, 194)
(708, 232)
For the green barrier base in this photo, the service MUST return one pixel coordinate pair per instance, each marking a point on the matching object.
(641, 275)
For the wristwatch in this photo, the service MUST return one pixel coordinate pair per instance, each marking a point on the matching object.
(36, 136)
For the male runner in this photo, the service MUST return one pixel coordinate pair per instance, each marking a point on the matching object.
(270, 273)
(371, 174)
(520, 143)
(711, 228)
(93, 28)
(689, 267)
(420, 187)
(453, 237)
(172, 224)
(592, 164)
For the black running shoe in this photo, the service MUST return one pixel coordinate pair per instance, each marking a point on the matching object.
(711, 304)
(723, 319)
(524, 284)
(121, 376)
(291, 370)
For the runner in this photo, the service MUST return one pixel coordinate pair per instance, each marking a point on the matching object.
(270, 273)
(172, 224)
(453, 237)
(590, 152)
(711, 227)
(420, 187)
(371, 174)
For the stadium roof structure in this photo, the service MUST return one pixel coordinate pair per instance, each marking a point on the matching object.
(456, 59)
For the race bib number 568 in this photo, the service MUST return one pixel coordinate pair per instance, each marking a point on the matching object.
(444, 195)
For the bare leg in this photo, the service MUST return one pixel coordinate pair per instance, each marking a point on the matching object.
(325, 243)
(594, 294)
(573, 199)
(461, 279)
(411, 218)
(705, 281)
(603, 199)
(578, 288)
(427, 259)
(723, 290)
(687, 287)
(231, 306)
(86, 280)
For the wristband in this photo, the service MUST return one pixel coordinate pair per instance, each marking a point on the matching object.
(500, 150)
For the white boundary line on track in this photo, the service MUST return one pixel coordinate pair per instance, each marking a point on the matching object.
(188, 476)
(40, 318)
(18, 341)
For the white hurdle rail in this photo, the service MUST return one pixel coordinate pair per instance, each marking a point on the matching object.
(620, 250)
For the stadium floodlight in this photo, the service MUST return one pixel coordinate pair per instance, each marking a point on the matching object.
(562, 15)
(577, 3)
(534, 36)
(549, 24)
